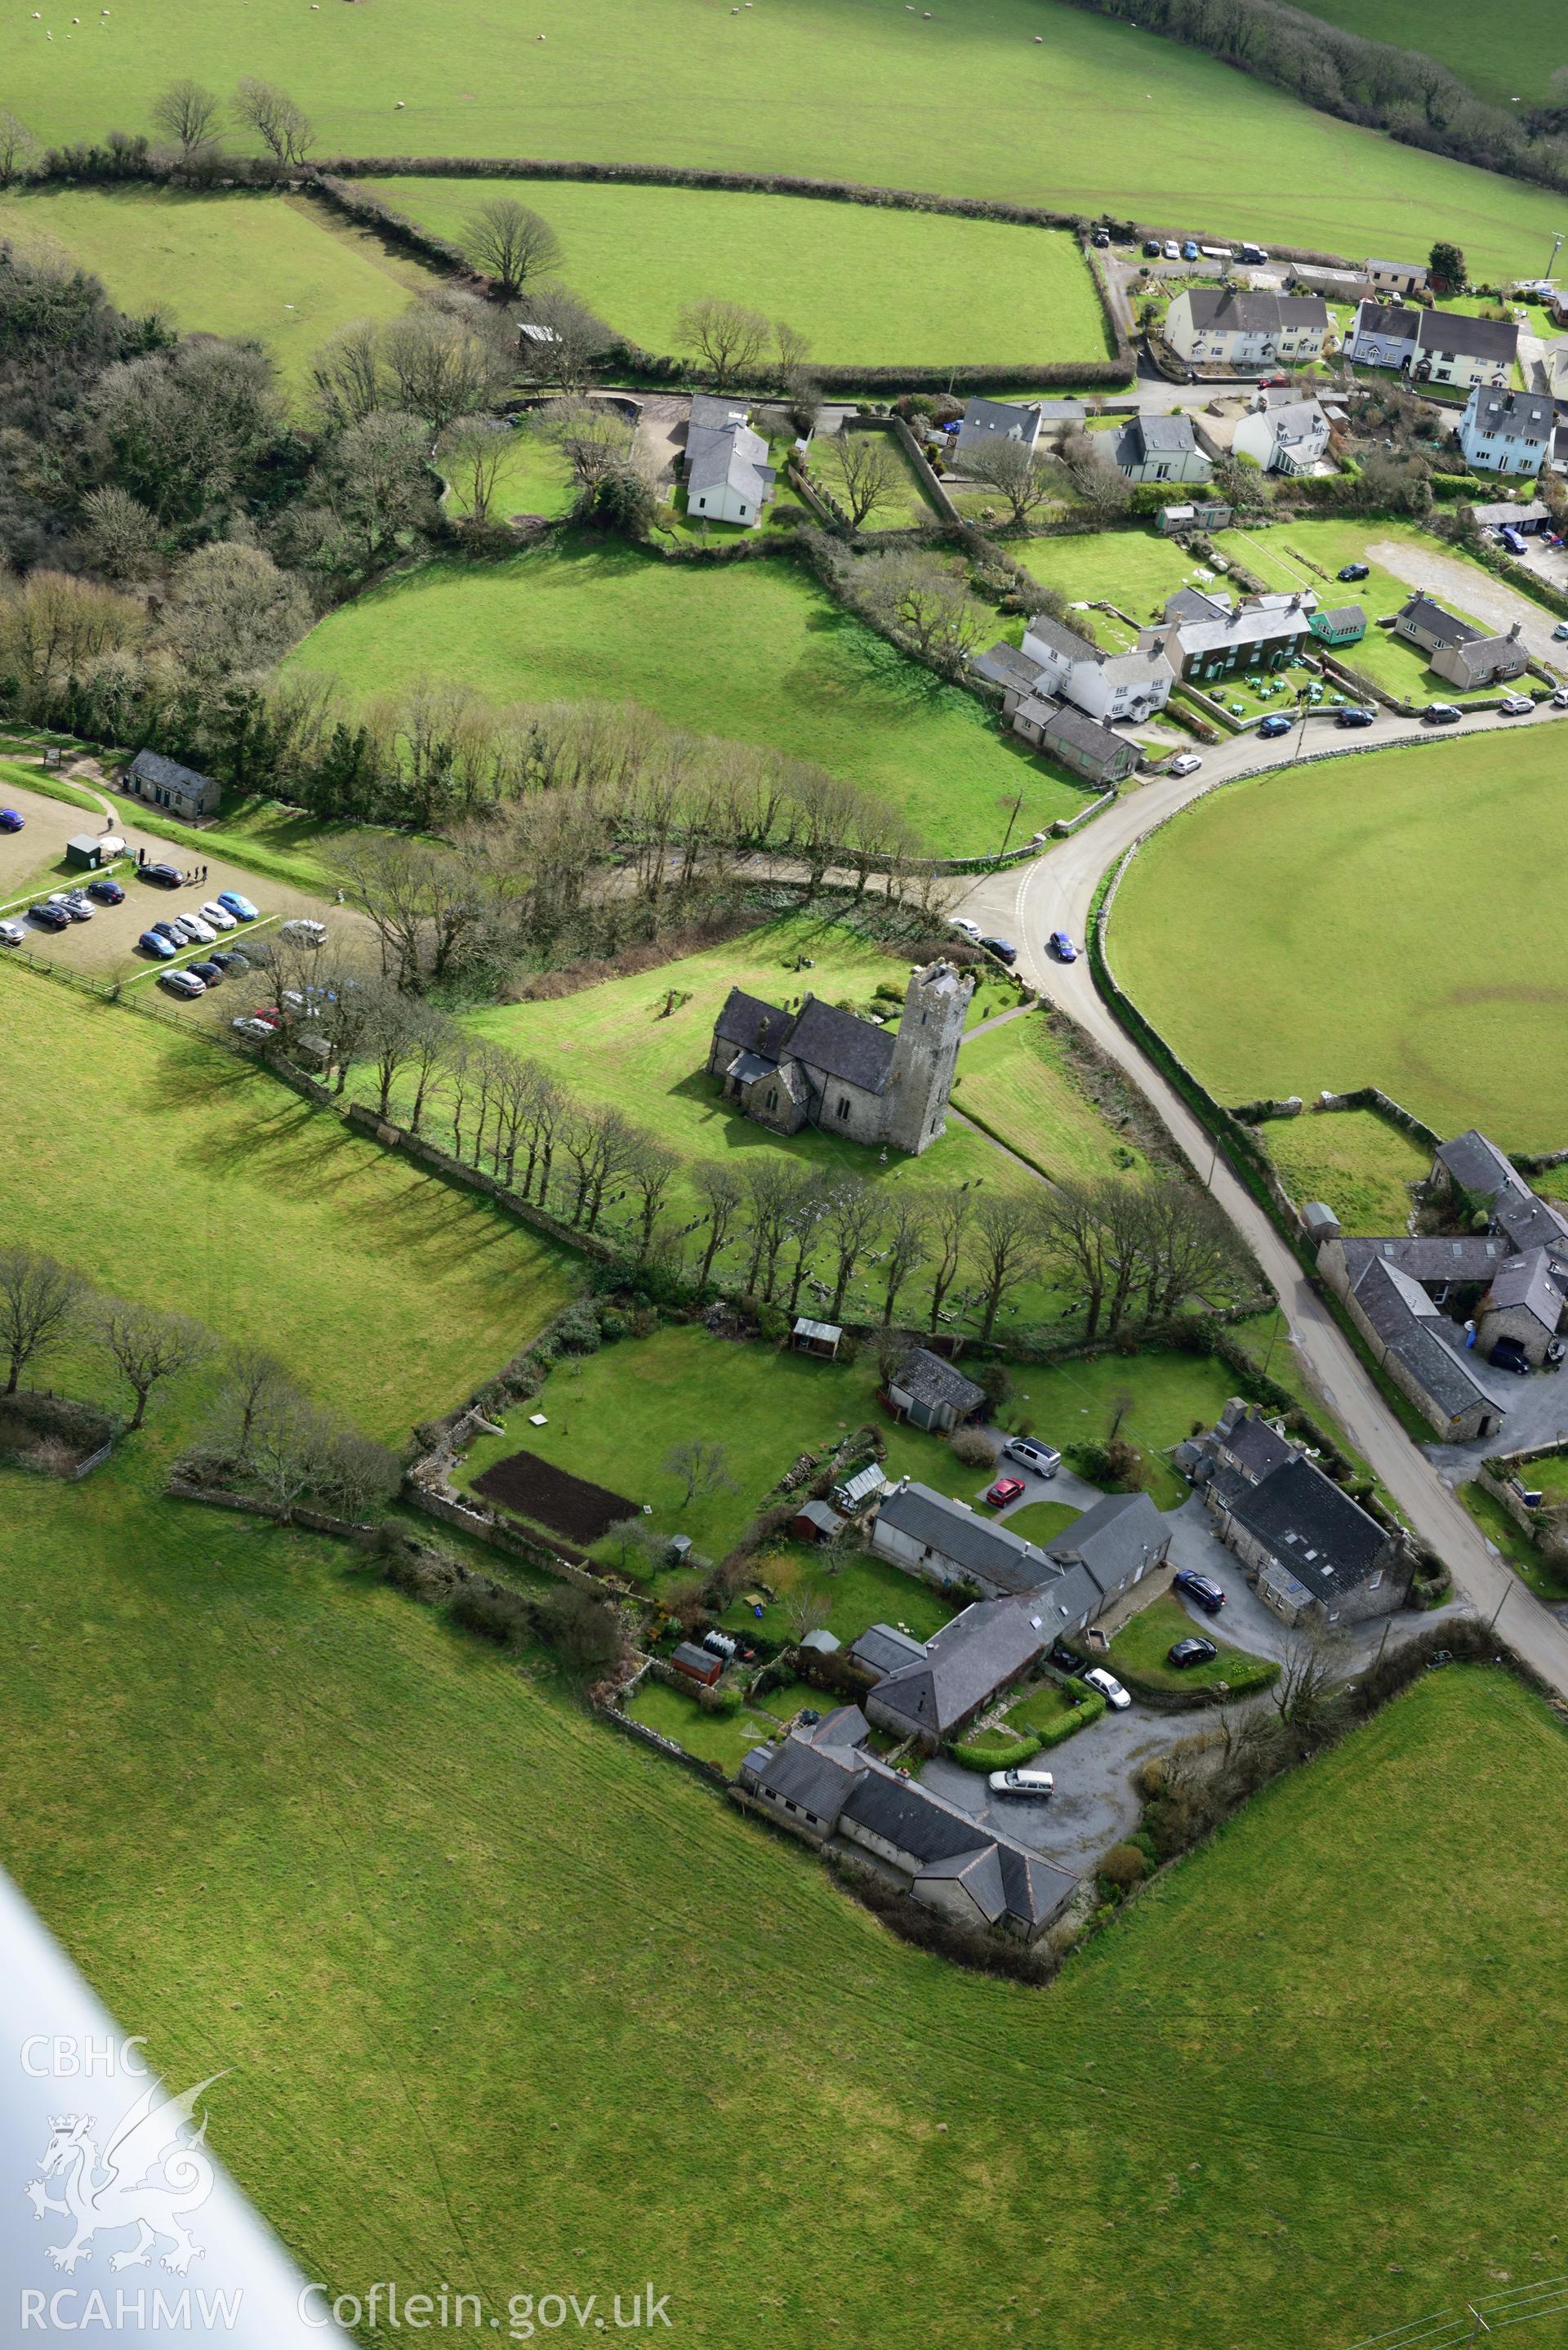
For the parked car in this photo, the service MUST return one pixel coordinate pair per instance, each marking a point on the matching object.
(1110, 1688)
(1516, 705)
(1275, 725)
(1062, 946)
(1187, 763)
(218, 916)
(1272, 383)
(1189, 250)
(269, 1015)
(182, 983)
(1440, 714)
(1195, 1651)
(153, 943)
(1560, 698)
(1209, 1595)
(1002, 949)
(78, 904)
(1559, 636)
(11, 934)
(1021, 1783)
(1354, 571)
(1253, 255)
(1351, 715)
(1172, 250)
(107, 890)
(241, 908)
(163, 876)
(249, 1026)
(12, 821)
(170, 931)
(231, 960)
(1513, 540)
(50, 917)
(1005, 1490)
(1100, 237)
(209, 973)
(1508, 1355)
(1043, 1458)
(961, 922)
(194, 931)
(303, 933)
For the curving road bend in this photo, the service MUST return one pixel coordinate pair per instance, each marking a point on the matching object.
(1056, 891)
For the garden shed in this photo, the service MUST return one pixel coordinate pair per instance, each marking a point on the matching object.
(930, 1393)
(817, 1338)
(84, 851)
(816, 1522)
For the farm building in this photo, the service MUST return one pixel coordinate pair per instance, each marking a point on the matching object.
(1525, 1303)
(1075, 1576)
(164, 784)
(816, 1522)
(932, 1393)
(1396, 276)
(809, 1337)
(1318, 1556)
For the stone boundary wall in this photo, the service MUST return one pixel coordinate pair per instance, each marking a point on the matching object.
(220, 1497)
(436, 1161)
(485, 1526)
(711, 1774)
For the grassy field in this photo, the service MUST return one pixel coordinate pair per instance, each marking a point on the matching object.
(1276, 896)
(965, 103)
(1356, 1161)
(1303, 2012)
(1450, 31)
(723, 1737)
(1138, 1654)
(857, 1591)
(1018, 1083)
(866, 287)
(280, 269)
(533, 479)
(168, 1170)
(757, 653)
(904, 502)
(1275, 554)
(1136, 570)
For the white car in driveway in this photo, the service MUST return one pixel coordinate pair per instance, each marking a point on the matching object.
(1043, 1458)
(961, 922)
(12, 934)
(1186, 764)
(1110, 1688)
(1021, 1783)
(1516, 705)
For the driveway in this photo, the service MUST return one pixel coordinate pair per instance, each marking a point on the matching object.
(1473, 591)
(661, 431)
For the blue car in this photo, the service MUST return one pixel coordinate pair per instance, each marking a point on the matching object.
(233, 903)
(10, 821)
(153, 943)
(1062, 946)
(1275, 725)
(1189, 251)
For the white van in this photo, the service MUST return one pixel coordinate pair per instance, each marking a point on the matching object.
(1021, 1783)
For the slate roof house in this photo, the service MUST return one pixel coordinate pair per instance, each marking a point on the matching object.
(165, 783)
(1457, 649)
(988, 420)
(1222, 326)
(1284, 435)
(1433, 346)
(1318, 1558)
(1056, 659)
(1160, 449)
(1206, 636)
(1105, 1552)
(728, 476)
(930, 1392)
(824, 1068)
(822, 1782)
(1098, 752)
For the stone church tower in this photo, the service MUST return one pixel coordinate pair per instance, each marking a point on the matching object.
(924, 1053)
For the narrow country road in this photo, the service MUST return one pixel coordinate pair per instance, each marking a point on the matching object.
(1055, 891)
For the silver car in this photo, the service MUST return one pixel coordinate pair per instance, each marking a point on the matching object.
(1043, 1458)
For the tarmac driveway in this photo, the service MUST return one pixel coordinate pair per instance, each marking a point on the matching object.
(1473, 591)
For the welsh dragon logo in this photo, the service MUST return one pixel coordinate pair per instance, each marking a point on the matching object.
(149, 2177)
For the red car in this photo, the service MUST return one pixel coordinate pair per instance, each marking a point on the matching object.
(1005, 1490)
(1272, 383)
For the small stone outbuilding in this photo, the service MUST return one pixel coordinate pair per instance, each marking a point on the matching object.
(930, 1392)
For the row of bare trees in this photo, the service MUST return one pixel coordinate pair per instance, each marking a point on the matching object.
(264, 1434)
(48, 1310)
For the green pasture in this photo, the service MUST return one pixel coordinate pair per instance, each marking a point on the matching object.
(1138, 1654)
(168, 1170)
(1017, 1082)
(1367, 921)
(1136, 570)
(905, 504)
(1275, 552)
(279, 270)
(460, 1955)
(865, 286)
(1357, 1162)
(752, 651)
(1097, 114)
(1450, 31)
(532, 479)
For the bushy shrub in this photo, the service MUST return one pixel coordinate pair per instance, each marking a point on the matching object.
(772, 1322)
(577, 1331)
(1123, 1866)
(995, 1753)
(495, 1613)
(973, 1448)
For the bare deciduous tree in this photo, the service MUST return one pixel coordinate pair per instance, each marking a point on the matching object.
(187, 114)
(511, 243)
(1006, 1243)
(346, 374)
(565, 342)
(852, 1221)
(146, 1346)
(592, 436)
(720, 1191)
(41, 1304)
(865, 469)
(471, 457)
(730, 340)
(791, 351)
(908, 1237)
(122, 532)
(280, 124)
(447, 357)
(19, 151)
(951, 1214)
(702, 1466)
(1023, 478)
(1301, 1694)
(652, 1170)
(926, 597)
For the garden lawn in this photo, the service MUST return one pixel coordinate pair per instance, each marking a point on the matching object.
(1073, 1403)
(1099, 114)
(905, 503)
(1274, 552)
(278, 269)
(1017, 1082)
(169, 1171)
(752, 651)
(1358, 1163)
(614, 1417)
(857, 1590)
(1040, 1521)
(1053, 1712)
(1511, 1540)
(1136, 570)
(1137, 1655)
(532, 479)
(722, 1738)
(865, 286)
(1368, 922)
(461, 1955)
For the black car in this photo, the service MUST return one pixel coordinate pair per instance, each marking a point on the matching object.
(1101, 238)
(1002, 949)
(1196, 1651)
(1209, 1595)
(1508, 1355)
(231, 960)
(1063, 1660)
(1353, 717)
(107, 891)
(211, 972)
(1440, 714)
(1152, 248)
(163, 876)
(1355, 571)
(50, 918)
